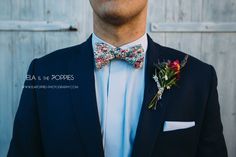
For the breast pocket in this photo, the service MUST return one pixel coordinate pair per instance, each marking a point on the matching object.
(176, 139)
(177, 125)
(177, 136)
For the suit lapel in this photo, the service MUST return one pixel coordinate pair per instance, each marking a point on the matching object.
(150, 121)
(84, 99)
(84, 103)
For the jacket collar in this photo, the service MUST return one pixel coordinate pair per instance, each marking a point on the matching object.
(85, 109)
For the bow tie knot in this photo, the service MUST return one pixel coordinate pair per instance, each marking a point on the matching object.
(104, 53)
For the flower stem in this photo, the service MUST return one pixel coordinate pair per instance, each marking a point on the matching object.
(153, 102)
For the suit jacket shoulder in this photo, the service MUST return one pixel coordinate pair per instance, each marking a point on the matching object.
(58, 60)
(202, 70)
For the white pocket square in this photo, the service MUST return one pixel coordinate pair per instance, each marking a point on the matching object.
(176, 125)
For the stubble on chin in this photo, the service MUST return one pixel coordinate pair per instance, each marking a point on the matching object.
(116, 16)
(113, 16)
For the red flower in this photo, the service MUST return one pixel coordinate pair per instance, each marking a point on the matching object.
(175, 66)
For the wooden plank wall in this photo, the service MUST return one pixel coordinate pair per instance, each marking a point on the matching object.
(18, 47)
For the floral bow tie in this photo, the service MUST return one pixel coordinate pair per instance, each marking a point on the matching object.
(104, 53)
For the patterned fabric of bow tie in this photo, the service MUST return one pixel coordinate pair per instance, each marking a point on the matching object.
(104, 53)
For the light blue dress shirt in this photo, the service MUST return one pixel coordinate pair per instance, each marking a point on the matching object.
(119, 92)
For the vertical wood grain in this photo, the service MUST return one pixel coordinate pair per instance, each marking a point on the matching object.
(24, 44)
(6, 97)
(27, 9)
(5, 10)
(72, 11)
(156, 14)
(184, 11)
(219, 50)
(220, 11)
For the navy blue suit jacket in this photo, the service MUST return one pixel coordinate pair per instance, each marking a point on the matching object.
(64, 122)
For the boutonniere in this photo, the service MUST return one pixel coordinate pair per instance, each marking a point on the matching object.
(166, 75)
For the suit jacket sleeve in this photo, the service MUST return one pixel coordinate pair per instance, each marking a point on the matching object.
(26, 141)
(212, 143)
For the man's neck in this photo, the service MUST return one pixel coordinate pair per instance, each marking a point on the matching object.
(119, 35)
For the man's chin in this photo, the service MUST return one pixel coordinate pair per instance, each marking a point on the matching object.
(116, 19)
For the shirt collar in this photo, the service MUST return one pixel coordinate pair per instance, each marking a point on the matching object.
(142, 40)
